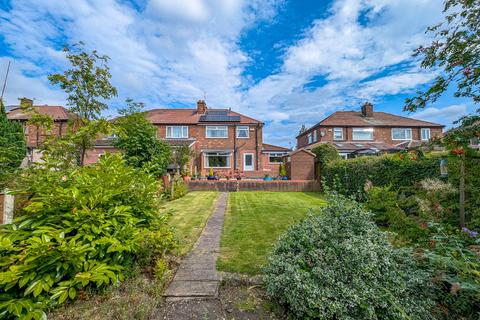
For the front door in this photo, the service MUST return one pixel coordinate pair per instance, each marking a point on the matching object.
(248, 162)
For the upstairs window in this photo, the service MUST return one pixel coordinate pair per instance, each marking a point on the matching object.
(309, 138)
(217, 132)
(337, 133)
(243, 132)
(362, 134)
(177, 132)
(425, 132)
(401, 134)
(315, 136)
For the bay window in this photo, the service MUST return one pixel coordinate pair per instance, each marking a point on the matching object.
(177, 132)
(362, 134)
(401, 134)
(216, 132)
(217, 159)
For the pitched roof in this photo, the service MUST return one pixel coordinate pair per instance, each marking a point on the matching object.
(379, 119)
(58, 113)
(191, 116)
(271, 147)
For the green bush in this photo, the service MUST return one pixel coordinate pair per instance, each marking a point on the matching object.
(337, 264)
(180, 189)
(82, 229)
(349, 176)
(326, 153)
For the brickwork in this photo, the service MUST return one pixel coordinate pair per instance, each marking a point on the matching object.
(35, 135)
(92, 155)
(301, 165)
(246, 185)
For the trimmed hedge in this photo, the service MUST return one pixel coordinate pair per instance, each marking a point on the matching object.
(349, 176)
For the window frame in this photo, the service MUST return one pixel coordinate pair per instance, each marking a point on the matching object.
(228, 156)
(363, 130)
(239, 128)
(402, 139)
(276, 155)
(310, 138)
(429, 134)
(335, 130)
(182, 136)
(209, 127)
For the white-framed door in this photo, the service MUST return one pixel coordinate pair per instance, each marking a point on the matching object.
(248, 162)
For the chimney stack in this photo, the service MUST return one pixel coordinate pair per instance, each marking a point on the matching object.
(201, 107)
(367, 110)
(25, 102)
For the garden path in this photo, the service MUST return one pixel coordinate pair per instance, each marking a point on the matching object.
(194, 289)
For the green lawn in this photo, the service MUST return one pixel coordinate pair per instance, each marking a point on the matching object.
(253, 223)
(188, 216)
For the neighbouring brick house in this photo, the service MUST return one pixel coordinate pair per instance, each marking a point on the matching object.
(36, 135)
(222, 139)
(368, 132)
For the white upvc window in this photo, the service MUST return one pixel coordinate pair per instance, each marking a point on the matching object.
(362, 134)
(401, 134)
(217, 159)
(216, 132)
(337, 133)
(243, 132)
(177, 132)
(275, 157)
(315, 136)
(310, 138)
(425, 134)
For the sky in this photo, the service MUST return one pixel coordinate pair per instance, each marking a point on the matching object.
(284, 62)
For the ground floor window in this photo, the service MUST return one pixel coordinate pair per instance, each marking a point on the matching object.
(275, 157)
(217, 160)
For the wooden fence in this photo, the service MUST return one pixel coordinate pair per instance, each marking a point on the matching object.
(246, 185)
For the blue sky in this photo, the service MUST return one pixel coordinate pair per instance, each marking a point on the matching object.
(286, 62)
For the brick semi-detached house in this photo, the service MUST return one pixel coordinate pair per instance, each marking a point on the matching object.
(368, 132)
(220, 138)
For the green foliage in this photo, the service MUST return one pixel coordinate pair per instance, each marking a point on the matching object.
(87, 83)
(399, 172)
(326, 153)
(337, 264)
(181, 155)
(211, 173)
(282, 171)
(82, 228)
(177, 188)
(12, 146)
(454, 49)
(456, 269)
(137, 138)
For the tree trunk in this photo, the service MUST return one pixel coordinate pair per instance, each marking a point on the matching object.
(462, 192)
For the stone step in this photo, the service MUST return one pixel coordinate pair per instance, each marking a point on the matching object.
(193, 288)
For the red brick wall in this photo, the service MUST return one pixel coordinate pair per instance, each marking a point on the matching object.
(272, 169)
(35, 135)
(92, 155)
(247, 145)
(380, 134)
(246, 185)
(302, 166)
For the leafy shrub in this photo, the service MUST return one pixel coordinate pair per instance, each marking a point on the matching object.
(337, 264)
(456, 267)
(179, 188)
(82, 229)
(326, 153)
(282, 171)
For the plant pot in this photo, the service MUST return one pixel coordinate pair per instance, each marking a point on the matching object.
(186, 178)
(211, 178)
(284, 178)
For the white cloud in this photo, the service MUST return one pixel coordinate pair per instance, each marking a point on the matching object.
(445, 115)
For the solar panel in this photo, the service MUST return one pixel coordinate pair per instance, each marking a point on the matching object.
(209, 117)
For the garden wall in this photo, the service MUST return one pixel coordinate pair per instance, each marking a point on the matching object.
(245, 185)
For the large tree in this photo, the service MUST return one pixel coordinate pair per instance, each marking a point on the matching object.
(12, 146)
(137, 138)
(88, 86)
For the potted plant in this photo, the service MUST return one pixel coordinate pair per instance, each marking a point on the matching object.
(267, 177)
(282, 172)
(211, 175)
(238, 174)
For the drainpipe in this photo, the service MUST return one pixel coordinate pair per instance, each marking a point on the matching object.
(256, 147)
(234, 148)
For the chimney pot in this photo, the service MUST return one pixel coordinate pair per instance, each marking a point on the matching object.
(367, 110)
(201, 107)
(26, 102)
